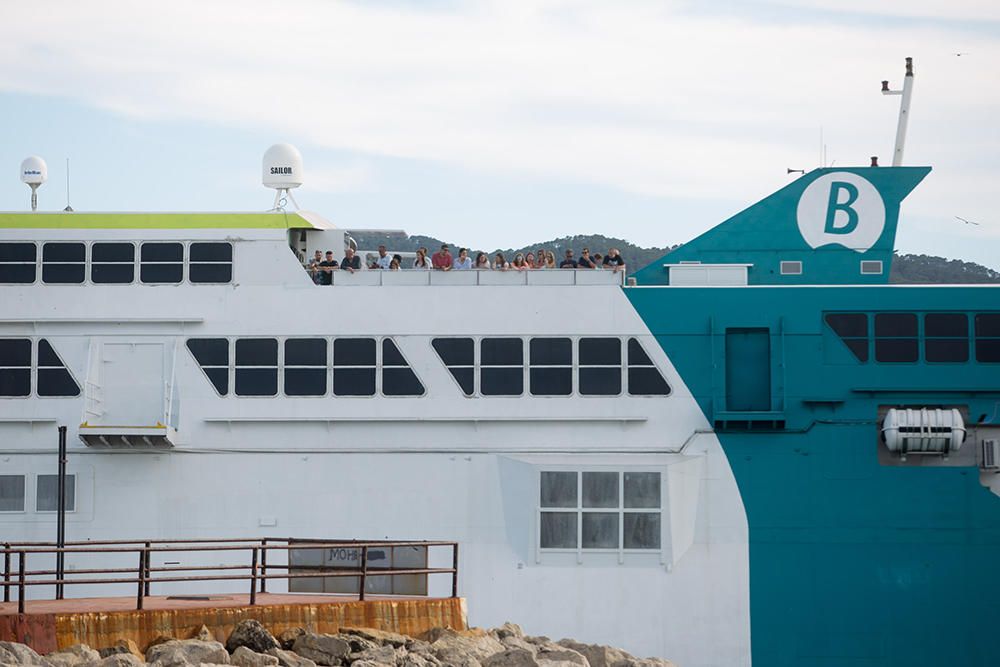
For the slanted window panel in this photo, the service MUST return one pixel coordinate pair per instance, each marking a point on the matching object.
(161, 263)
(63, 263)
(946, 337)
(17, 262)
(459, 356)
(600, 361)
(305, 366)
(644, 378)
(551, 371)
(988, 338)
(852, 328)
(47, 493)
(15, 366)
(54, 378)
(112, 263)
(398, 379)
(896, 337)
(256, 367)
(211, 263)
(212, 354)
(354, 366)
(11, 493)
(501, 366)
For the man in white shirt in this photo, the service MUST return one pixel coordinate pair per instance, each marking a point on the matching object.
(384, 259)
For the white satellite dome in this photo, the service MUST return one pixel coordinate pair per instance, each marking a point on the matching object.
(282, 169)
(34, 171)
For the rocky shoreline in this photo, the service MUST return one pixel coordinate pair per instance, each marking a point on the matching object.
(251, 645)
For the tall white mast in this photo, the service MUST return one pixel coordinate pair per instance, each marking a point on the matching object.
(904, 111)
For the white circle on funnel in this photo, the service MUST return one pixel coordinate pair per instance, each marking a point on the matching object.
(841, 208)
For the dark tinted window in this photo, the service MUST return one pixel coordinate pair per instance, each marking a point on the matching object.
(211, 263)
(211, 252)
(455, 351)
(112, 263)
(256, 367)
(17, 262)
(161, 262)
(305, 352)
(210, 351)
(852, 328)
(53, 377)
(896, 337)
(47, 493)
(354, 352)
(11, 493)
(391, 356)
(558, 489)
(210, 273)
(465, 377)
(212, 354)
(305, 366)
(551, 352)
(256, 352)
(398, 379)
(600, 371)
(600, 352)
(946, 337)
(63, 263)
(551, 381)
(644, 378)
(501, 352)
(988, 338)
(353, 381)
(46, 355)
(501, 367)
(641, 530)
(15, 366)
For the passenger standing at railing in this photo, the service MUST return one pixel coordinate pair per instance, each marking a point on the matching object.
(383, 260)
(585, 262)
(615, 260)
(519, 263)
(598, 260)
(540, 259)
(421, 261)
(314, 269)
(441, 260)
(500, 263)
(326, 268)
(569, 262)
(530, 260)
(482, 262)
(351, 261)
(463, 262)
(394, 263)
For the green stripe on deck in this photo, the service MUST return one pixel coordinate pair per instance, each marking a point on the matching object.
(153, 221)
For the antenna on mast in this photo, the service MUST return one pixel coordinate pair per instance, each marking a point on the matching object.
(68, 209)
(904, 111)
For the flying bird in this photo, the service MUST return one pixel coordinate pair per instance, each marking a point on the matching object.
(964, 53)
(968, 222)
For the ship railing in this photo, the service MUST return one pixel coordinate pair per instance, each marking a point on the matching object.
(417, 278)
(256, 570)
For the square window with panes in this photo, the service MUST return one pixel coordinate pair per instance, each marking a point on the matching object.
(600, 510)
(47, 493)
(600, 366)
(987, 330)
(354, 365)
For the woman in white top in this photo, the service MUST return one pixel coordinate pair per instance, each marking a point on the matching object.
(482, 262)
(463, 262)
(499, 263)
(421, 261)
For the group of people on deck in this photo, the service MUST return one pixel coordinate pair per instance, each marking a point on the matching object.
(321, 268)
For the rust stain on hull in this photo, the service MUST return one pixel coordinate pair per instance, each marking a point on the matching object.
(98, 629)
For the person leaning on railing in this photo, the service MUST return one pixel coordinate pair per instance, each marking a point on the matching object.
(614, 260)
(421, 261)
(351, 261)
(442, 259)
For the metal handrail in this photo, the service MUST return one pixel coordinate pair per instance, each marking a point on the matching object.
(259, 570)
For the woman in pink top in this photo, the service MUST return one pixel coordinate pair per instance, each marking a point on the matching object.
(529, 259)
(519, 263)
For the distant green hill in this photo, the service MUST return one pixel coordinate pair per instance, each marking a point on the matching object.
(906, 269)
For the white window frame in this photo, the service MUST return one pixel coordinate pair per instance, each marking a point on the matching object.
(188, 262)
(37, 263)
(580, 551)
(76, 493)
(135, 262)
(85, 263)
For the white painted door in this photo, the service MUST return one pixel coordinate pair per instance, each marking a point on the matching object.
(133, 384)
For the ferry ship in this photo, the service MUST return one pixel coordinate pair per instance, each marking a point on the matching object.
(755, 450)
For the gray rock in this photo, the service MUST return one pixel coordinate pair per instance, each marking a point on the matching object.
(72, 656)
(358, 644)
(507, 630)
(519, 642)
(512, 657)
(599, 656)
(452, 647)
(122, 646)
(12, 653)
(383, 655)
(253, 635)
(380, 637)
(288, 637)
(184, 652)
(120, 660)
(553, 655)
(322, 649)
(416, 660)
(418, 646)
(244, 657)
(289, 659)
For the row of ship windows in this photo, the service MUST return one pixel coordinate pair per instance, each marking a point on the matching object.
(366, 366)
(898, 337)
(13, 493)
(599, 510)
(114, 263)
(24, 363)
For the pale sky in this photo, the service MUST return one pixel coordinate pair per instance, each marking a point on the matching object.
(501, 122)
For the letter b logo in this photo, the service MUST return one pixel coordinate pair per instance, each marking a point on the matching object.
(841, 208)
